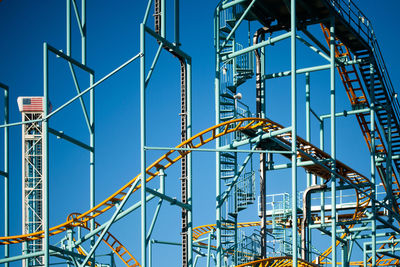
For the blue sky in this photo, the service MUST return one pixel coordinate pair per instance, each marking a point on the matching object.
(113, 37)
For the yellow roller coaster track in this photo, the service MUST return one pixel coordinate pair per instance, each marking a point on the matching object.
(306, 152)
(111, 242)
(357, 96)
(277, 262)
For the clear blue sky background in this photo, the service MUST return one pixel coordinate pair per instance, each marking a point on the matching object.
(113, 37)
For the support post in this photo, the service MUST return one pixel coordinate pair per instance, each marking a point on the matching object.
(142, 145)
(333, 137)
(217, 142)
(46, 259)
(294, 132)
(189, 163)
(373, 178)
(6, 171)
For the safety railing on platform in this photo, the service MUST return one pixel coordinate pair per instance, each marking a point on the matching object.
(358, 21)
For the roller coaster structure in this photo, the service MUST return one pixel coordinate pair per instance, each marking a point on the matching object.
(363, 228)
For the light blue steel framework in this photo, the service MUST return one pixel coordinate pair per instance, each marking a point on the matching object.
(365, 219)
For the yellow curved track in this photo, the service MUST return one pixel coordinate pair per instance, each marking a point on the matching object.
(112, 243)
(199, 140)
(277, 262)
(306, 152)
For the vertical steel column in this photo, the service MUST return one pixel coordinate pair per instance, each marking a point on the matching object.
(68, 24)
(143, 144)
(389, 171)
(6, 171)
(333, 138)
(176, 23)
(189, 162)
(92, 159)
(373, 178)
(308, 139)
(83, 23)
(308, 121)
(46, 157)
(217, 141)
(294, 130)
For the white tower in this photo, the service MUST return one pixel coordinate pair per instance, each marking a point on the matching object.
(32, 182)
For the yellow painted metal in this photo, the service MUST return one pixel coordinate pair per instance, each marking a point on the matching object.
(305, 151)
(277, 262)
(113, 243)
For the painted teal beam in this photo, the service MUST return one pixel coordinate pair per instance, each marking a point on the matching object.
(373, 177)
(217, 85)
(333, 138)
(92, 170)
(143, 228)
(77, 96)
(189, 159)
(313, 48)
(45, 157)
(78, 18)
(299, 164)
(171, 200)
(157, 211)
(308, 119)
(176, 23)
(78, 90)
(68, 27)
(6, 172)
(147, 12)
(293, 27)
(270, 41)
(70, 139)
(83, 37)
(310, 69)
(153, 65)
(69, 59)
(345, 113)
(217, 150)
(166, 43)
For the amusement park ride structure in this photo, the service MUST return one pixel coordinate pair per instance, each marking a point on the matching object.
(364, 228)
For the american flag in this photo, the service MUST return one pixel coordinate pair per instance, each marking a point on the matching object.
(32, 104)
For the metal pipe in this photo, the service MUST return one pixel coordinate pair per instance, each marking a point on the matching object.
(92, 179)
(176, 22)
(333, 137)
(189, 162)
(217, 142)
(304, 221)
(308, 119)
(143, 144)
(68, 30)
(83, 26)
(45, 128)
(6, 171)
(270, 41)
(373, 178)
(293, 30)
(310, 69)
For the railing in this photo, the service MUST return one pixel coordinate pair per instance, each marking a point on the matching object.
(362, 25)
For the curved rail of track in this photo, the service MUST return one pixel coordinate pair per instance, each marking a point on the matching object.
(277, 261)
(306, 152)
(112, 242)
